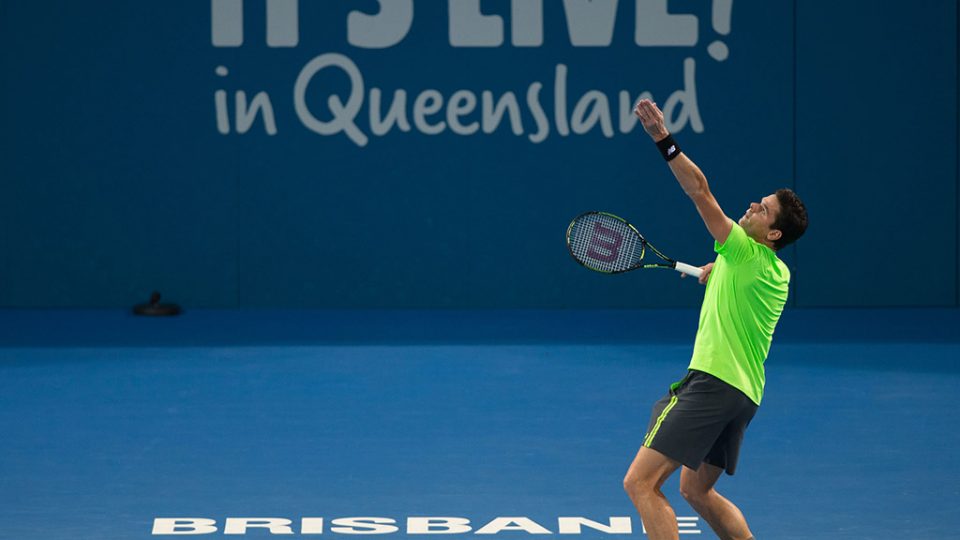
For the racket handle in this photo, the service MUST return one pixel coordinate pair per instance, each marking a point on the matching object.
(694, 271)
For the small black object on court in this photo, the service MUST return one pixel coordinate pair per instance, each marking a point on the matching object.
(154, 308)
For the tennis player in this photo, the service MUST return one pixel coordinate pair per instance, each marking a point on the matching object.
(700, 423)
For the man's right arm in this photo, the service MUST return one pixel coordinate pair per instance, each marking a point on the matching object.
(688, 175)
(707, 268)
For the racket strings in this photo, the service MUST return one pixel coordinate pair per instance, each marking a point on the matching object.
(605, 243)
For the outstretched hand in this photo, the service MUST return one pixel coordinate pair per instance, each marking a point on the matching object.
(652, 119)
(707, 268)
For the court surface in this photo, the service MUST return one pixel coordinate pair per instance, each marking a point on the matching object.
(109, 422)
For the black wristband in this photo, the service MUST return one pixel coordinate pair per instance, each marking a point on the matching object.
(669, 148)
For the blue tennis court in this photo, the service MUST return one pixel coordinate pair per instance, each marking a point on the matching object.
(499, 423)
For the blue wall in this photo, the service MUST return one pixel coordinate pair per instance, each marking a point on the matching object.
(120, 173)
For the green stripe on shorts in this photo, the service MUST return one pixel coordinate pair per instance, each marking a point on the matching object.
(653, 432)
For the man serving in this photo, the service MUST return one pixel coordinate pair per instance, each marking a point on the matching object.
(700, 423)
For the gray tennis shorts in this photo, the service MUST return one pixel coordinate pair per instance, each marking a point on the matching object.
(701, 420)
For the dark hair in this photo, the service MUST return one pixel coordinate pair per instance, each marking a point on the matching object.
(792, 219)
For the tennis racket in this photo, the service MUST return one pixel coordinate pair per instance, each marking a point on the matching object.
(606, 243)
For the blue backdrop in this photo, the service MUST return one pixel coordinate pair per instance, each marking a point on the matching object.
(420, 154)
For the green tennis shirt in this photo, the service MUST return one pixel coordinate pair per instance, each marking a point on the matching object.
(743, 300)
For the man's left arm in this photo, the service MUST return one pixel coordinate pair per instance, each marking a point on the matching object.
(688, 175)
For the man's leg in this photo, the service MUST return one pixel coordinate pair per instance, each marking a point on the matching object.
(723, 516)
(649, 470)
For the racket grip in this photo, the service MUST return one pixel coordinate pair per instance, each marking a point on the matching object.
(694, 271)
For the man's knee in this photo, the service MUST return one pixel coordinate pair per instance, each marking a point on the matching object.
(649, 470)
(631, 483)
(636, 484)
(694, 494)
(696, 486)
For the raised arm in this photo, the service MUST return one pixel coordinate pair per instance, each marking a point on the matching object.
(690, 177)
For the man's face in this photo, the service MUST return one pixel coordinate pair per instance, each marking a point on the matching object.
(759, 218)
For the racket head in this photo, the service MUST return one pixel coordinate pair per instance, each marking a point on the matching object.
(605, 243)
